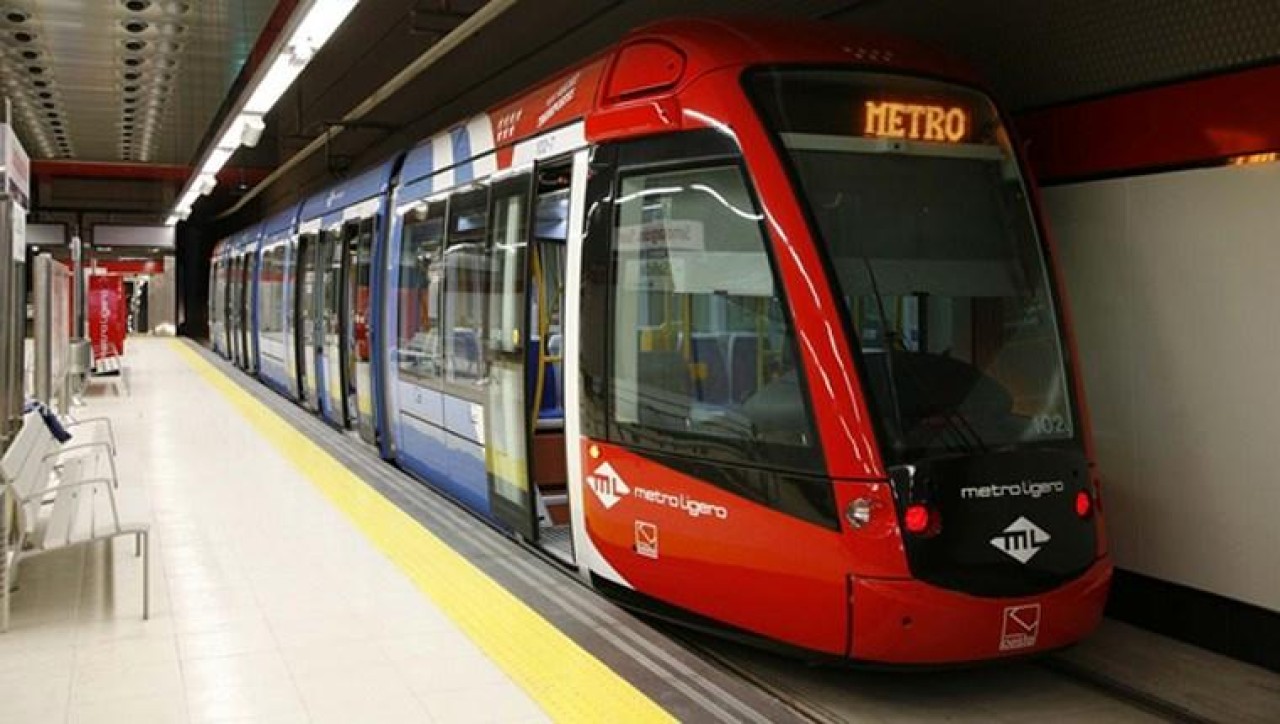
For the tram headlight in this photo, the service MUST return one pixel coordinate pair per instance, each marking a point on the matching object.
(858, 512)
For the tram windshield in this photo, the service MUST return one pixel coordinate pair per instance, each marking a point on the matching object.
(915, 192)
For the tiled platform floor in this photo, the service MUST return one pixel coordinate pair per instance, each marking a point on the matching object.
(267, 605)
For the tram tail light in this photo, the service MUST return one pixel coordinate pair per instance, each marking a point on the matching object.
(1084, 504)
(922, 520)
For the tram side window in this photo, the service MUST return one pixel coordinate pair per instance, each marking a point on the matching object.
(506, 265)
(421, 291)
(466, 287)
(703, 352)
(271, 292)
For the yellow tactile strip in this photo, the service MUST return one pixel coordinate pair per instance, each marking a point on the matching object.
(568, 683)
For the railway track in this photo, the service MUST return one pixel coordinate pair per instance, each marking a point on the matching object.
(1049, 688)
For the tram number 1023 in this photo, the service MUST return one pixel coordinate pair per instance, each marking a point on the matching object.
(1054, 424)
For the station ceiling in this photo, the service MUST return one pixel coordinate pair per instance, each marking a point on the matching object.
(474, 54)
(122, 80)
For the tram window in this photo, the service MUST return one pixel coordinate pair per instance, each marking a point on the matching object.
(506, 264)
(551, 224)
(466, 286)
(271, 292)
(703, 359)
(421, 291)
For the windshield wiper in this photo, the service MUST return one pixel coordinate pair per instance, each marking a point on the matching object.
(959, 427)
(967, 438)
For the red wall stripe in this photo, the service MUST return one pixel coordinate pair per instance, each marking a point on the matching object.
(1183, 124)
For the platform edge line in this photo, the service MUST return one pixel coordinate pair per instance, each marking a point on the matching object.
(566, 681)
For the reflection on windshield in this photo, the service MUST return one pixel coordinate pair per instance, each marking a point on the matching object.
(937, 258)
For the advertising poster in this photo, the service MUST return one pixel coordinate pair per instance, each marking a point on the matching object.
(108, 314)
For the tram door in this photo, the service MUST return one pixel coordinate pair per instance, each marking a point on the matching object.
(505, 349)
(290, 272)
(304, 321)
(233, 317)
(224, 305)
(329, 354)
(357, 307)
(250, 310)
(245, 313)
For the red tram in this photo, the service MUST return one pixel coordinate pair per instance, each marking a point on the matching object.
(774, 307)
(910, 478)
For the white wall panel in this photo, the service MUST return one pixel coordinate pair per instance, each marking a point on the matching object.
(1174, 280)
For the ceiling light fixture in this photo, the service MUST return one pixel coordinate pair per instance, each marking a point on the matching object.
(310, 27)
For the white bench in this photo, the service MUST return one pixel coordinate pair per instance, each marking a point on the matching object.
(66, 496)
(92, 432)
(110, 368)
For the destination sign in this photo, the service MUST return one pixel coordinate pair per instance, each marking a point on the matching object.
(916, 121)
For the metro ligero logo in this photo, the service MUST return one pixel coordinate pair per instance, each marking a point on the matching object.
(1022, 540)
(607, 485)
(610, 488)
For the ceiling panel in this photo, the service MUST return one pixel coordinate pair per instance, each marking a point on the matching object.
(122, 80)
(1052, 51)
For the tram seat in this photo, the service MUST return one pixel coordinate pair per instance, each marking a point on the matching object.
(551, 404)
(710, 373)
(743, 375)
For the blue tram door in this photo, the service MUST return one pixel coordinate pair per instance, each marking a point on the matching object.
(331, 254)
(233, 309)
(304, 314)
(357, 307)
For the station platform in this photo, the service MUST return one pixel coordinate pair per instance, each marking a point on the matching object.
(286, 588)
(298, 578)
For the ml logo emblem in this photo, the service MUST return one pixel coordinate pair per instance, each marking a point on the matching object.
(1022, 540)
(608, 485)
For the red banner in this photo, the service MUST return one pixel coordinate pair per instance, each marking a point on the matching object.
(108, 314)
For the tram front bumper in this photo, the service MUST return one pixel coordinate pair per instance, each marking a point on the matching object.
(911, 622)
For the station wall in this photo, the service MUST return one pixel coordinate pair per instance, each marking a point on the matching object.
(1174, 280)
(1165, 202)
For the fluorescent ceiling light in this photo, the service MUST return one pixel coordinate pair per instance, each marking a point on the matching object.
(217, 159)
(230, 137)
(317, 22)
(319, 25)
(205, 183)
(251, 128)
(284, 70)
(187, 201)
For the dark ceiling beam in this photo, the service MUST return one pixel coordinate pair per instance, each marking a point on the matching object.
(434, 21)
(136, 171)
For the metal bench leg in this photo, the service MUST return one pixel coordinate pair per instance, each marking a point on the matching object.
(146, 576)
(4, 591)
